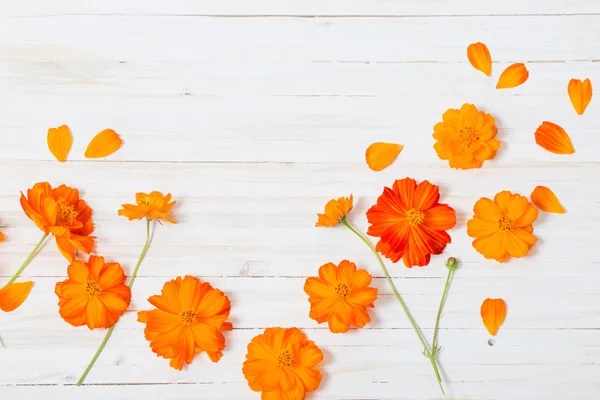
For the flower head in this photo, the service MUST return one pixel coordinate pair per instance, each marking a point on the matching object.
(335, 212)
(62, 213)
(503, 227)
(340, 296)
(94, 295)
(465, 137)
(452, 263)
(188, 318)
(281, 363)
(151, 206)
(410, 222)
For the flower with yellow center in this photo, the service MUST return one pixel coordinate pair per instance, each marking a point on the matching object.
(152, 206)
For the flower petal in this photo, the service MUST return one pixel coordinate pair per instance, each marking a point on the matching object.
(380, 155)
(103, 144)
(59, 142)
(580, 94)
(493, 312)
(479, 57)
(546, 200)
(13, 295)
(553, 138)
(514, 75)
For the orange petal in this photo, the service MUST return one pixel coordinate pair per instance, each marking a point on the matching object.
(513, 75)
(546, 200)
(13, 295)
(493, 312)
(479, 57)
(380, 155)
(59, 142)
(104, 144)
(580, 94)
(2, 237)
(553, 138)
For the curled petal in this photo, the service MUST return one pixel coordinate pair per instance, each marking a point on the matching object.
(479, 57)
(546, 200)
(553, 138)
(580, 94)
(59, 142)
(514, 75)
(493, 312)
(13, 295)
(104, 144)
(380, 155)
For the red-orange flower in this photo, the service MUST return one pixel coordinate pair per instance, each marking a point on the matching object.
(62, 213)
(151, 206)
(410, 222)
(282, 364)
(188, 319)
(340, 296)
(94, 295)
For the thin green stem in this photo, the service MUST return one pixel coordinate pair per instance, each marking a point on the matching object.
(426, 351)
(28, 259)
(439, 313)
(110, 330)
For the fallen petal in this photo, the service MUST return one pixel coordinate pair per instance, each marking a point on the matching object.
(14, 294)
(380, 155)
(104, 144)
(479, 57)
(493, 312)
(553, 138)
(580, 94)
(514, 75)
(59, 142)
(546, 200)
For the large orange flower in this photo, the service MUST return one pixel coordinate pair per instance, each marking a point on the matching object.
(151, 206)
(281, 363)
(503, 227)
(340, 296)
(62, 213)
(466, 137)
(94, 295)
(410, 222)
(335, 212)
(188, 319)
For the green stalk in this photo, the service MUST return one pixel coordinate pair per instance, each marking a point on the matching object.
(439, 313)
(27, 260)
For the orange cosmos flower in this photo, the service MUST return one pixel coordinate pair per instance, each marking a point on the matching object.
(410, 222)
(503, 227)
(335, 212)
(151, 206)
(281, 363)
(94, 295)
(188, 319)
(465, 137)
(340, 296)
(62, 213)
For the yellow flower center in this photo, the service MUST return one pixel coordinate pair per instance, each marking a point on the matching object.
(92, 288)
(415, 217)
(505, 224)
(285, 358)
(66, 212)
(144, 200)
(468, 134)
(342, 290)
(188, 317)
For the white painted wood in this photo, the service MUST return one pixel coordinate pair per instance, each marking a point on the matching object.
(253, 115)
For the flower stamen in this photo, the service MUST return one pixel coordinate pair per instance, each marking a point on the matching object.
(342, 290)
(92, 289)
(285, 358)
(505, 224)
(188, 317)
(415, 217)
(66, 212)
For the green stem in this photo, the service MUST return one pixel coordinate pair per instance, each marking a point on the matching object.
(27, 260)
(110, 330)
(426, 351)
(439, 313)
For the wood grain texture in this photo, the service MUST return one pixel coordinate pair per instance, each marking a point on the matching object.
(253, 115)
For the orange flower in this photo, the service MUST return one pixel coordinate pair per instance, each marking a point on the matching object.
(281, 363)
(151, 206)
(13, 295)
(94, 295)
(514, 75)
(188, 319)
(503, 227)
(580, 94)
(465, 137)
(410, 222)
(340, 296)
(493, 313)
(335, 212)
(62, 213)
(479, 57)
(553, 138)
(379, 155)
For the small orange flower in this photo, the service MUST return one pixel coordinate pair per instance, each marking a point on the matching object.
(281, 363)
(188, 318)
(411, 222)
(151, 206)
(335, 212)
(340, 296)
(62, 213)
(465, 137)
(94, 295)
(503, 227)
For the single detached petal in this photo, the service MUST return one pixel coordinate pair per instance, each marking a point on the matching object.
(104, 144)
(493, 312)
(546, 200)
(553, 138)
(514, 75)
(59, 142)
(380, 155)
(14, 294)
(479, 57)
(580, 94)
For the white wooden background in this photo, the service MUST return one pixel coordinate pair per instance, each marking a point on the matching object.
(253, 114)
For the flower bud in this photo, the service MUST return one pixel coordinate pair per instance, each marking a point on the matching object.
(452, 263)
